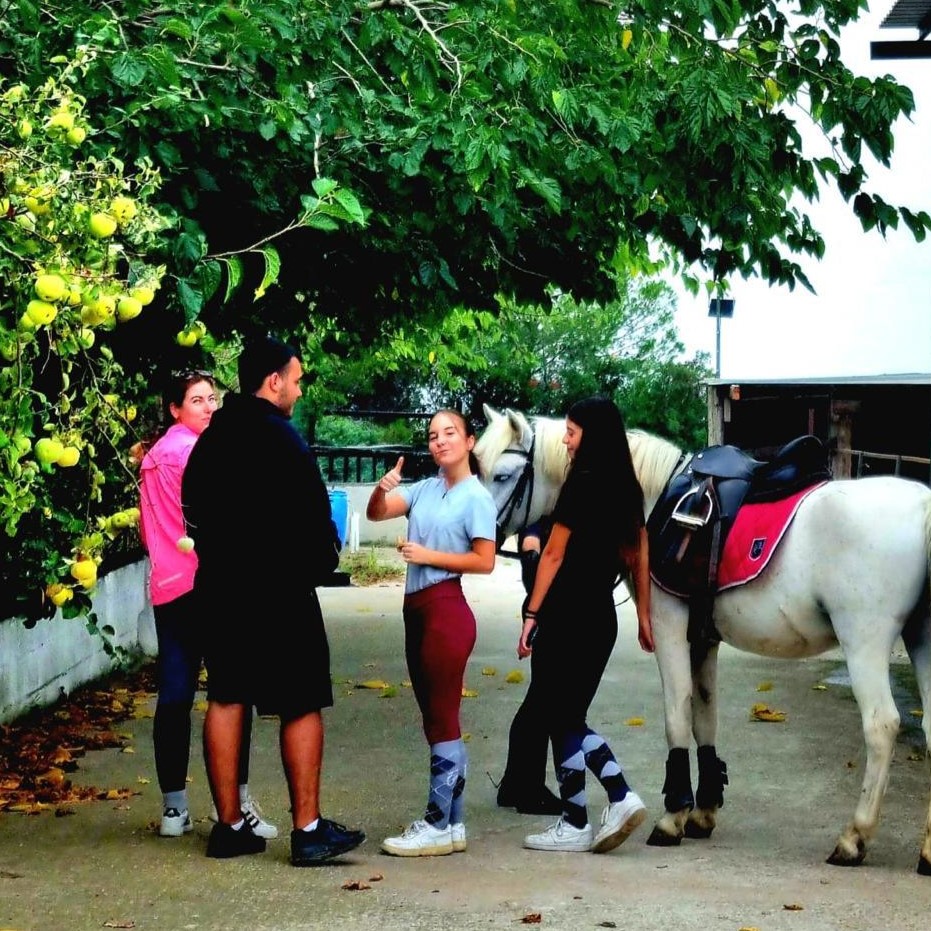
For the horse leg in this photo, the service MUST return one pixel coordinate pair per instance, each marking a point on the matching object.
(917, 638)
(712, 771)
(868, 665)
(672, 657)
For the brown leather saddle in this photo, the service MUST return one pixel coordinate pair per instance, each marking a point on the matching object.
(690, 523)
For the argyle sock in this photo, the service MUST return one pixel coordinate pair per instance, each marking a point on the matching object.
(444, 773)
(600, 760)
(456, 815)
(570, 774)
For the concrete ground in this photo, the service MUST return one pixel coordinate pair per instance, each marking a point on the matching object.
(793, 787)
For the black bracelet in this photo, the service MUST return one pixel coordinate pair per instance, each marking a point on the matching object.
(529, 614)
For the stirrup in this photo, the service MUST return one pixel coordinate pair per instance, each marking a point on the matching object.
(686, 512)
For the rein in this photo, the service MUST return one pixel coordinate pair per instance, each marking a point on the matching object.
(523, 488)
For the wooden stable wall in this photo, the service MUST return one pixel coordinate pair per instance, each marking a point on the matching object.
(873, 425)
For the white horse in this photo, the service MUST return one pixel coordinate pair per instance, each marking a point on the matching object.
(852, 571)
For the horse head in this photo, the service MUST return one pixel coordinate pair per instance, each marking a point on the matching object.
(523, 465)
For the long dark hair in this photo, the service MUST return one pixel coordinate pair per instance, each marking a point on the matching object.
(603, 456)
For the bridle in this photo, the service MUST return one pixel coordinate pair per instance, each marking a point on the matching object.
(523, 489)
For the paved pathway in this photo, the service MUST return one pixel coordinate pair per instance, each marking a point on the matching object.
(793, 785)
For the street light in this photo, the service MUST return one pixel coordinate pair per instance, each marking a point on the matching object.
(719, 307)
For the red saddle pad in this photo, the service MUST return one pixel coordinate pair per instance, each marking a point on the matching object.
(757, 531)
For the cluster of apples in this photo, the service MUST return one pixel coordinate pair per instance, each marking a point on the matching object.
(62, 124)
(51, 451)
(112, 525)
(84, 572)
(191, 334)
(55, 290)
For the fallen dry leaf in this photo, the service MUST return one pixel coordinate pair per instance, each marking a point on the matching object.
(125, 923)
(819, 688)
(531, 918)
(373, 684)
(377, 878)
(355, 884)
(765, 687)
(489, 671)
(635, 722)
(469, 693)
(514, 677)
(793, 907)
(760, 712)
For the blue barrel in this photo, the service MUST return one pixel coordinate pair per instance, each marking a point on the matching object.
(339, 508)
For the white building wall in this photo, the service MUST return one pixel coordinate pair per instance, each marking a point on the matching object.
(40, 664)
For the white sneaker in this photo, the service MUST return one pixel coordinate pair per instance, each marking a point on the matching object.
(458, 835)
(252, 815)
(618, 820)
(420, 840)
(175, 822)
(561, 836)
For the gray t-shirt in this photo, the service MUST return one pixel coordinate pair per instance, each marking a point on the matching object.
(448, 520)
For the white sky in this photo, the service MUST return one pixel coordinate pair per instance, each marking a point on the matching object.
(872, 311)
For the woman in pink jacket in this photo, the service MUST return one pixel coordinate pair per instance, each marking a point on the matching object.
(190, 401)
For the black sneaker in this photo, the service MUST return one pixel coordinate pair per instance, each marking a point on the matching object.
(327, 840)
(224, 842)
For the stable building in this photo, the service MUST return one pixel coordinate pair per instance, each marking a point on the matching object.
(872, 425)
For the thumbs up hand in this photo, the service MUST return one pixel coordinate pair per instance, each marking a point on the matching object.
(390, 480)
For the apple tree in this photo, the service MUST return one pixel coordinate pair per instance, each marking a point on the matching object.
(75, 230)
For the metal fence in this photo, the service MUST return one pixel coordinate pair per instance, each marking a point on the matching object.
(863, 464)
(366, 464)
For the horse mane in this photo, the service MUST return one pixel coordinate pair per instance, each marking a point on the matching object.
(551, 458)
(654, 458)
(492, 443)
(654, 461)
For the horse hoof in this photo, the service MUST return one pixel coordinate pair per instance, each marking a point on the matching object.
(924, 867)
(697, 831)
(841, 857)
(660, 838)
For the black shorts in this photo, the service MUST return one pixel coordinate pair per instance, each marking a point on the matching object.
(274, 656)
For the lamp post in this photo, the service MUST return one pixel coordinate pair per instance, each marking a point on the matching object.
(719, 307)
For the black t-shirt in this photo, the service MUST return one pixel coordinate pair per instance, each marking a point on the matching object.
(591, 562)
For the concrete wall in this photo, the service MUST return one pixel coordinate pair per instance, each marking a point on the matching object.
(40, 664)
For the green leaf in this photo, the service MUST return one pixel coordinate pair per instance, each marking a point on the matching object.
(128, 70)
(323, 186)
(350, 204)
(191, 300)
(179, 28)
(547, 188)
(272, 267)
(233, 276)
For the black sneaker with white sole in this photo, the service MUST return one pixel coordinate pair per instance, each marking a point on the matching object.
(225, 842)
(327, 840)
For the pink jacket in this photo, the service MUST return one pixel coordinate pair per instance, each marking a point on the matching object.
(160, 522)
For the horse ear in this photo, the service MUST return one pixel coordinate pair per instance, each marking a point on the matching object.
(491, 415)
(520, 426)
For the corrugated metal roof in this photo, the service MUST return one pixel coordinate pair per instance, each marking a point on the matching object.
(909, 14)
(909, 378)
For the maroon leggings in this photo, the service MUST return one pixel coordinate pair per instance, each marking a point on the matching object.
(439, 633)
